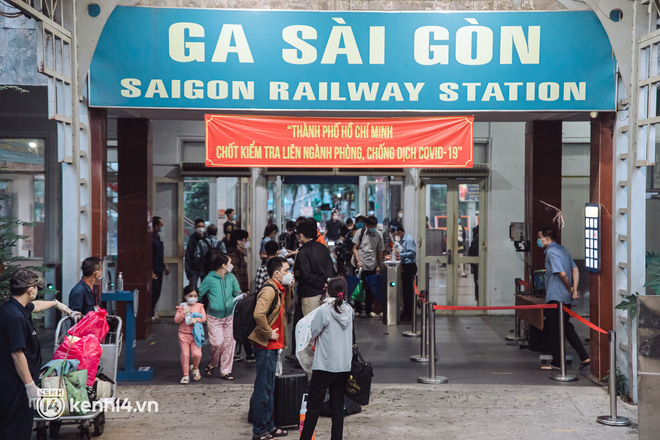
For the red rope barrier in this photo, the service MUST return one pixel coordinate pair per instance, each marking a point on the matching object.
(416, 289)
(582, 320)
(535, 306)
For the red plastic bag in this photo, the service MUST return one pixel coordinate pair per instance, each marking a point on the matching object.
(87, 350)
(93, 323)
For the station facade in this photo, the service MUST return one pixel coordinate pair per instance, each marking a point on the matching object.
(547, 119)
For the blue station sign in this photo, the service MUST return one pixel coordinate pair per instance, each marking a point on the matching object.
(353, 61)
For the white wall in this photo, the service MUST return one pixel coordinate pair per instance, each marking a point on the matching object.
(506, 198)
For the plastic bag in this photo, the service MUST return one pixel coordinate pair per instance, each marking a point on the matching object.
(87, 350)
(93, 323)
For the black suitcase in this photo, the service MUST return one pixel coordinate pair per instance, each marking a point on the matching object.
(289, 390)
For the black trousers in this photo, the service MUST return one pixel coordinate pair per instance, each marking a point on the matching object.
(322, 381)
(408, 272)
(368, 294)
(17, 416)
(156, 287)
(552, 326)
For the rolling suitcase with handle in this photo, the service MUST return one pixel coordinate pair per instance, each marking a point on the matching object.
(289, 390)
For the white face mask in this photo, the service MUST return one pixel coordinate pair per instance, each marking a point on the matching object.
(397, 238)
(335, 217)
(287, 279)
(200, 231)
(99, 277)
(229, 268)
(246, 245)
(33, 297)
(191, 301)
(401, 215)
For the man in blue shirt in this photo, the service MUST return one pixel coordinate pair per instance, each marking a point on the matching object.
(405, 249)
(82, 298)
(561, 287)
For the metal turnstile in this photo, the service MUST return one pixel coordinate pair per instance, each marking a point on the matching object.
(392, 293)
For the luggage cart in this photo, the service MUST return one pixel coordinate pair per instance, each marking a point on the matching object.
(108, 364)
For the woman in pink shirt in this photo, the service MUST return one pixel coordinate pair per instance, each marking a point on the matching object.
(189, 313)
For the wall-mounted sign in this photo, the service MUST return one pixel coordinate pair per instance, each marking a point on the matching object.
(592, 236)
(245, 141)
(338, 60)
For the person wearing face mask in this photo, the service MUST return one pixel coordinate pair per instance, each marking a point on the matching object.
(313, 268)
(268, 337)
(222, 287)
(82, 297)
(20, 353)
(406, 251)
(193, 264)
(158, 266)
(397, 220)
(562, 277)
(368, 256)
(239, 245)
(188, 314)
(333, 227)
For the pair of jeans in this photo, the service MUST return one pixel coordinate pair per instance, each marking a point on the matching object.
(408, 272)
(368, 293)
(264, 386)
(322, 381)
(552, 324)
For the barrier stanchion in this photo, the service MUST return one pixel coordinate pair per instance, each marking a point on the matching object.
(423, 356)
(413, 332)
(613, 419)
(432, 378)
(563, 377)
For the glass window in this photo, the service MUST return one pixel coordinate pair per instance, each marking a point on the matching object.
(22, 193)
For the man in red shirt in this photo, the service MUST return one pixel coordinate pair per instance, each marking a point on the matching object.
(268, 337)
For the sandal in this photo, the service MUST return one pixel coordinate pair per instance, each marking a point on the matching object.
(278, 432)
(227, 377)
(549, 367)
(184, 380)
(262, 437)
(195, 375)
(584, 364)
(208, 371)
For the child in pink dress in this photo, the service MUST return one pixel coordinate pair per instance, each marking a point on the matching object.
(186, 336)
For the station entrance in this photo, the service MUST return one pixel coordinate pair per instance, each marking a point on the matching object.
(452, 213)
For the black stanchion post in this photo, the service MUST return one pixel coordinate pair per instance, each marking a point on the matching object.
(613, 419)
(563, 377)
(423, 356)
(432, 378)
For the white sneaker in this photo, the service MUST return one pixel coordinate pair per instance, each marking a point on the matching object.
(155, 319)
(373, 315)
(185, 380)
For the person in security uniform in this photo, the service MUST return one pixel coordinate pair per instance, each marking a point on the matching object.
(20, 354)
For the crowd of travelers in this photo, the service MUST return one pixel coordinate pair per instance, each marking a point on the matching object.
(302, 269)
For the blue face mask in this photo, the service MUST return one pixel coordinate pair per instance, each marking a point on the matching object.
(359, 225)
(372, 230)
(539, 242)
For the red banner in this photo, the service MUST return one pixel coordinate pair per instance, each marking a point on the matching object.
(260, 141)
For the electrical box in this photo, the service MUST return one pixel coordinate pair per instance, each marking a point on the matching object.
(517, 231)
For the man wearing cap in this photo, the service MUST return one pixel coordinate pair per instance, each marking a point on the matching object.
(20, 354)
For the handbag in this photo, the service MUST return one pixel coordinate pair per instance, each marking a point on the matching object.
(358, 383)
(74, 383)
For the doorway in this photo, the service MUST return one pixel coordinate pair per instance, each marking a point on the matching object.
(450, 255)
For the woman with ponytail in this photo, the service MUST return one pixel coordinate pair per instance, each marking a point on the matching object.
(332, 327)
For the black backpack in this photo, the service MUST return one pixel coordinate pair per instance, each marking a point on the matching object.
(244, 323)
(209, 257)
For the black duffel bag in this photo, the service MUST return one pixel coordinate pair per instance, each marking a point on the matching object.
(358, 384)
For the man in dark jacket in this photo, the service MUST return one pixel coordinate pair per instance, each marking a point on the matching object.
(193, 264)
(158, 266)
(313, 268)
